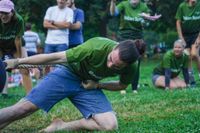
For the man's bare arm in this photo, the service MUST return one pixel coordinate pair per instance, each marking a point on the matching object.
(76, 26)
(52, 58)
(18, 45)
(48, 24)
(112, 86)
(179, 29)
(61, 25)
(112, 7)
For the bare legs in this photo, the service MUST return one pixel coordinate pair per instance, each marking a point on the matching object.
(20, 110)
(174, 83)
(27, 82)
(104, 121)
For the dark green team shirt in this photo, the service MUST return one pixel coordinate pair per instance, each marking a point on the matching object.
(131, 23)
(89, 61)
(9, 31)
(173, 63)
(189, 17)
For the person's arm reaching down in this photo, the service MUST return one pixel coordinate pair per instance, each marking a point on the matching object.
(112, 86)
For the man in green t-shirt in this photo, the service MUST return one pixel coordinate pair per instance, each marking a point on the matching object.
(132, 18)
(84, 66)
(131, 21)
(11, 32)
(188, 28)
(165, 75)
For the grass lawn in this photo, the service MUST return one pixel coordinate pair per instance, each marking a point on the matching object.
(151, 110)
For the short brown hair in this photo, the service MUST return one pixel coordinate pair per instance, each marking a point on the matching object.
(28, 26)
(128, 52)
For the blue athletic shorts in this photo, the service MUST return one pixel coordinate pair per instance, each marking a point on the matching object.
(154, 78)
(52, 48)
(62, 83)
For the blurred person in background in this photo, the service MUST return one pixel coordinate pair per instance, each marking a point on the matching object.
(11, 32)
(133, 14)
(188, 29)
(165, 75)
(32, 42)
(76, 28)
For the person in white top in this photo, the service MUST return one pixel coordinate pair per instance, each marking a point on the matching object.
(57, 20)
(32, 40)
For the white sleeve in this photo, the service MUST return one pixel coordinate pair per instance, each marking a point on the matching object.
(70, 15)
(48, 14)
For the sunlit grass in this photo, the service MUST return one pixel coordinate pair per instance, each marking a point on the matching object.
(151, 110)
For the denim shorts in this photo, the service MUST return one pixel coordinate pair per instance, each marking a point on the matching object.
(154, 78)
(52, 48)
(62, 83)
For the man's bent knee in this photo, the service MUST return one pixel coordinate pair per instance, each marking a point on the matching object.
(106, 121)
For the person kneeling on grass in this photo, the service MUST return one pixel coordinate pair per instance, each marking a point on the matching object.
(84, 66)
(165, 75)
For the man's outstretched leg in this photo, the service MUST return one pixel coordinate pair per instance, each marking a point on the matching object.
(103, 121)
(20, 110)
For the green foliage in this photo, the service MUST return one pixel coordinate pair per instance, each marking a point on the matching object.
(33, 11)
(169, 38)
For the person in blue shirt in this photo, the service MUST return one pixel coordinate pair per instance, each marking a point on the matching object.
(76, 29)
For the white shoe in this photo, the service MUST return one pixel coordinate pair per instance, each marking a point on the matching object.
(135, 91)
(123, 92)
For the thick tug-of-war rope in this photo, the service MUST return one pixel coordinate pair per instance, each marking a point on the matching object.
(34, 66)
(3, 70)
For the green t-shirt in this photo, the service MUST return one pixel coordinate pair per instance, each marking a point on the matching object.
(9, 31)
(189, 17)
(175, 64)
(89, 61)
(130, 20)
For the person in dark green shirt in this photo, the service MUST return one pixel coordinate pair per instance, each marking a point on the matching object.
(11, 32)
(132, 19)
(188, 28)
(165, 75)
(84, 66)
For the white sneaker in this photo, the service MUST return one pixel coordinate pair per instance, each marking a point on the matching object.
(123, 92)
(135, 91)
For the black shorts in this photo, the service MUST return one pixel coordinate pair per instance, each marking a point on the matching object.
(7, 52)
(190, 39)
(31, 53)
(7, 48)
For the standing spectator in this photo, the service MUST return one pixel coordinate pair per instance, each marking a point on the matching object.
(76, 29)
(32, 41)
(132, 14)
(11, 32)
(188, 27)
(57, 20)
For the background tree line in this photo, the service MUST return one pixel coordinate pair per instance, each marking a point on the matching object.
(98, 22)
